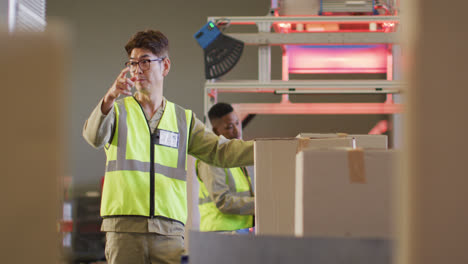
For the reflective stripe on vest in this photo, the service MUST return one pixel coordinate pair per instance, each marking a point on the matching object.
(211, 218)
(134, 185)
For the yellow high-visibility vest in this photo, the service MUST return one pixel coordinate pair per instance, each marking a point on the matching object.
(211, 218)
(146, 173)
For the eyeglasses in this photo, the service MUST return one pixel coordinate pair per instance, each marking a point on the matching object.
(144, 64)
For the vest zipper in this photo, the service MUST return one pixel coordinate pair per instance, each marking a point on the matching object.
(246, 174)
(152, 143)
(152, 176)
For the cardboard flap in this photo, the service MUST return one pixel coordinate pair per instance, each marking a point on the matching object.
(321, 135)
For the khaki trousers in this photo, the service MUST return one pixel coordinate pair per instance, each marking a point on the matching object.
(143, 248)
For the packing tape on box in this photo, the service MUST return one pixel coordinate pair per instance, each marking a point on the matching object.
(356, 167)
(302, 143)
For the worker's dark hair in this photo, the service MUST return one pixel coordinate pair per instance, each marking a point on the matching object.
(152, 40)
(219, 110)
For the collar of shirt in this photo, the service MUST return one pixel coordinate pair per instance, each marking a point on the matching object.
(154, 121)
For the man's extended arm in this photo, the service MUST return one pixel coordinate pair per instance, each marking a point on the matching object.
(206, 146)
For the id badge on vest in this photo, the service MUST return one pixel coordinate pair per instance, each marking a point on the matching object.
(168, 138)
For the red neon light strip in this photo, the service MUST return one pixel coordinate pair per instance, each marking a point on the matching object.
(333, 59)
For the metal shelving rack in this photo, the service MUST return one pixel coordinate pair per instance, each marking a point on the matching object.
(264, 39)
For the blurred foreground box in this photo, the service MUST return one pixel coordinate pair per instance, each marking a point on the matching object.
(33, 156)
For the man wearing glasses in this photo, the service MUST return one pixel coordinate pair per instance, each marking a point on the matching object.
(147, 139)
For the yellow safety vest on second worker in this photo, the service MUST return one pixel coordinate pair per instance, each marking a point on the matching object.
(145, 172)
(211, 218)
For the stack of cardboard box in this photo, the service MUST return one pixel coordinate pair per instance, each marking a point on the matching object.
(319, 198)
(324, 185)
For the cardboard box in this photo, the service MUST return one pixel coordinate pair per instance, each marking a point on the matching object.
(33, 148)
(362, 140)
(345, 193)
(299, 8)
(434, 185)
(275, 170)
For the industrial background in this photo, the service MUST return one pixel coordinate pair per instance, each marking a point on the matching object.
(100, 29)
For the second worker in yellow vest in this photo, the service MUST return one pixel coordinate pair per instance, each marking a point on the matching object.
(226, 198)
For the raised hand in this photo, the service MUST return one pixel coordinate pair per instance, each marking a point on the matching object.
(121, 85)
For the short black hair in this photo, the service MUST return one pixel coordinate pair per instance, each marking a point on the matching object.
(219, 110)
(152, 40)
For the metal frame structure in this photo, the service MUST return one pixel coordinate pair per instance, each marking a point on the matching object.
(264, 39)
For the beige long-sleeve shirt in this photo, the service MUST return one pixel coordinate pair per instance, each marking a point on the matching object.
(203, 144)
